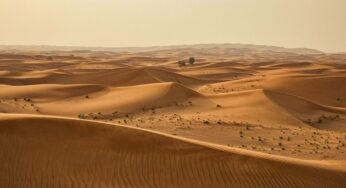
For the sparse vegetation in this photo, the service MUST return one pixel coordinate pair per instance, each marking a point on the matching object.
(27, 99)
(81, 116)
(192, 60)
(322, 119)
(181, 63)
(206, 122)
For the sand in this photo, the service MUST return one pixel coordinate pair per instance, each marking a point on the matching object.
(241, 116)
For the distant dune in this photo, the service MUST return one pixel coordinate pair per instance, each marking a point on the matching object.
(79, 49)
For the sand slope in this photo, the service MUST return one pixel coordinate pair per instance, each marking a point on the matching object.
(110, 77)
(55, 152)
(325, 90)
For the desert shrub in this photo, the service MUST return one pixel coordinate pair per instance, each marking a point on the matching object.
(192, 60)
(27, 99)
(320, 120)
(206, 122)
(181, 63)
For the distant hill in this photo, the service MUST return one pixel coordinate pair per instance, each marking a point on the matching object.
(250, 47)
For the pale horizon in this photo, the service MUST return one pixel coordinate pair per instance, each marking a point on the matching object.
(315, 24)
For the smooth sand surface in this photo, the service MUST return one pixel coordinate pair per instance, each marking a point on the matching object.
(57, 152)
(240, 116)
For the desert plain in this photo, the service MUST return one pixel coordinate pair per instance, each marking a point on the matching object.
(236, 116)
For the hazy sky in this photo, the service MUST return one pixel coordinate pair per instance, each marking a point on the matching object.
(319, 24)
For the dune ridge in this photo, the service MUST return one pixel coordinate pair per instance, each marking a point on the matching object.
(78, 153)
(113, 77)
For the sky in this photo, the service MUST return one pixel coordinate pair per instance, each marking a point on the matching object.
(318, 24)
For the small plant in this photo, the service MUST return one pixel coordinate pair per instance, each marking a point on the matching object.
(320, 120)
(181, 63)
(206, 122)
(27, 99)
(81, 116)
(192, 60)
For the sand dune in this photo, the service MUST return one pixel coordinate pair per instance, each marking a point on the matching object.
(76, 99)
(326, 90)
(304, 108)
(56, 152)
(237, 105)
(113, 77)
(125, 99)
(47, 92)
(240, 116)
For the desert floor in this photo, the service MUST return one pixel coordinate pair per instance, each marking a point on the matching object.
(240, 116)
